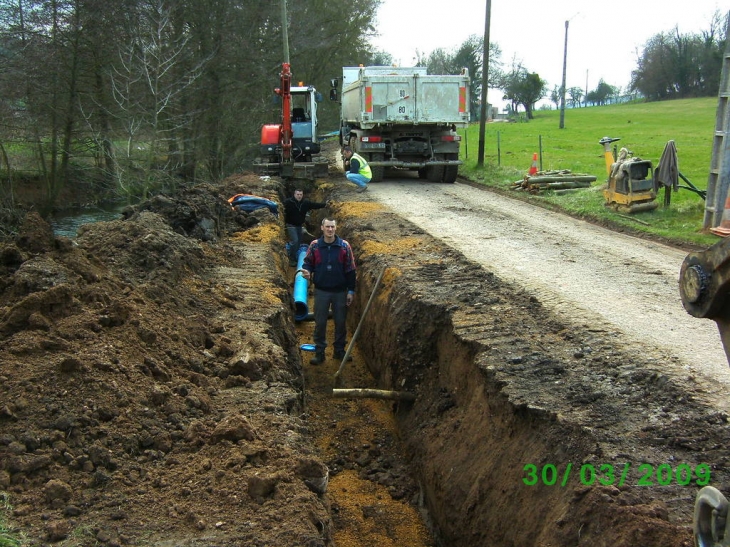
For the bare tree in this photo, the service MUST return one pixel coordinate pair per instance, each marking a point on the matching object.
(147, 84)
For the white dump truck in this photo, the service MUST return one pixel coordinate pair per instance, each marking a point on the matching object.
(403, 117)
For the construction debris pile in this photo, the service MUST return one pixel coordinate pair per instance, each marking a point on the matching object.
(559, 181)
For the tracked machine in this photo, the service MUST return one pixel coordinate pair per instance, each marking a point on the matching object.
(291, 148)
(704, 286)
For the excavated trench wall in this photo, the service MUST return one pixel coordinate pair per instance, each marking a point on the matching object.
(500, 384)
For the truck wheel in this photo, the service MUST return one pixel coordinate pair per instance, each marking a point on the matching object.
(450, 172)
(378, 171)
(351, 141)
(435, 173)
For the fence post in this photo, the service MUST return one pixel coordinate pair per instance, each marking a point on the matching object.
(499, 151)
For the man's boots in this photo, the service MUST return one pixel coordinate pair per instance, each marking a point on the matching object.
(318, 358)
(339, 354)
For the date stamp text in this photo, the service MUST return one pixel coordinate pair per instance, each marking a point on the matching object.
(608, 474)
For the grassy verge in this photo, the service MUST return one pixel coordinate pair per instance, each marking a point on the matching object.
(643, 128)
(8, 538)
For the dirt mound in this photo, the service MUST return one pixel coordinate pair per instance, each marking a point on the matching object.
(117, 426)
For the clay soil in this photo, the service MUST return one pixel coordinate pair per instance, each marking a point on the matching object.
(154, 393)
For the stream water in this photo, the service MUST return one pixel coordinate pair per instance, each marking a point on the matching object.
(67, 222)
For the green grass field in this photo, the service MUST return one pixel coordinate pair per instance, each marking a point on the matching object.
(644, 128)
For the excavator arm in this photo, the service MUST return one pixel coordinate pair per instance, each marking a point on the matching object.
(704, 285)
(284, 92)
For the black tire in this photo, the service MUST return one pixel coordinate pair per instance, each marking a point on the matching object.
(351, 144)
(378, 174)
(450, 173)
(379, 171)
(435, 173)
(422, 174)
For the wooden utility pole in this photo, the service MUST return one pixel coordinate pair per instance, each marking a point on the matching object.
(562, 89)
(485, 82)
(285, 31)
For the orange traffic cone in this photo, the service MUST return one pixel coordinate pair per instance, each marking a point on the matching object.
(533, 167)
(723, 230)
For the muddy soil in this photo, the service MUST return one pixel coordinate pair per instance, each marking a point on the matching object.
(154, 393)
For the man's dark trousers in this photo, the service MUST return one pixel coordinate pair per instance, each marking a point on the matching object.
(322, 302)
(295, 234)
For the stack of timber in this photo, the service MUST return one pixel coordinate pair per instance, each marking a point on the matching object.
(553, 180)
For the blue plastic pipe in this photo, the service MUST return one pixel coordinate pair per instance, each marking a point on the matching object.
(301, 288)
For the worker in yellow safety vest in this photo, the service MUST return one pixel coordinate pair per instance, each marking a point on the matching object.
(357, 169)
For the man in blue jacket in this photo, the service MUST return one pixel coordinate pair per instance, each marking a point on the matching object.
(330, 264)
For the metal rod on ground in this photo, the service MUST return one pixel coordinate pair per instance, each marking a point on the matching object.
(701, 193)
(634, 219)
(357, 330)
(374, 394)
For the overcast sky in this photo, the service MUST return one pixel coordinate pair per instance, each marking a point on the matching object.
(603, 37)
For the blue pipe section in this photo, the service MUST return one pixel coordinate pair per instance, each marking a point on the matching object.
(301, 288)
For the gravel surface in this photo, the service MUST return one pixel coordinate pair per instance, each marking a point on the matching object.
(588, 274)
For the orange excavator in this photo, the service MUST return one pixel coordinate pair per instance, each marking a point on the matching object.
(290, 148)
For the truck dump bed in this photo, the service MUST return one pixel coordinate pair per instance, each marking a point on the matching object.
(373, 96)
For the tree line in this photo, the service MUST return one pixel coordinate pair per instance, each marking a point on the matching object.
(136, 95)
(674, 65)
(133, 96)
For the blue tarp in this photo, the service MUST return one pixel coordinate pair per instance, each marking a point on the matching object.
(251, 203)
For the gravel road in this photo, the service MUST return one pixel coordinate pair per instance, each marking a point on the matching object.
(589, 275)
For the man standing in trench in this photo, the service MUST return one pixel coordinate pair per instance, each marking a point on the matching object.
(330, 264)
(295, 215)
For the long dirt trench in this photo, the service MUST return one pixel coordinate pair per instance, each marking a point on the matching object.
(154, 393)
(501, 384)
